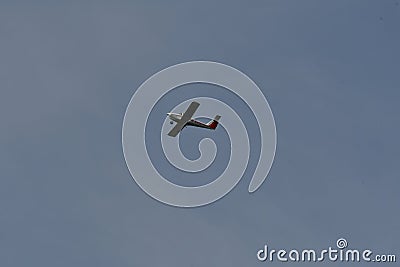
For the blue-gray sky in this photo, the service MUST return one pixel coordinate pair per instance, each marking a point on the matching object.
(330, 71)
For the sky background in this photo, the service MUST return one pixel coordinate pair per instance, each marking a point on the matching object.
(330, 72)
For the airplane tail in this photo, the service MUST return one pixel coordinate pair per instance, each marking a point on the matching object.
(214, 123)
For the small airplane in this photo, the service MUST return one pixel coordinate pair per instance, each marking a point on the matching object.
(184, 119)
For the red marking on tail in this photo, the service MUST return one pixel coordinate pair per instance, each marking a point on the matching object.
(214, 123)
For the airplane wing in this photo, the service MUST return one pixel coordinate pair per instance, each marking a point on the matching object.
(187, 116)
(178, 127)
(190, 111)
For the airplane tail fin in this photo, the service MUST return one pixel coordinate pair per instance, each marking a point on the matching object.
(214, 123)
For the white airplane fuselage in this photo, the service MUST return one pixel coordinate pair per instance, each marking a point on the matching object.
(176, 117)
(184, 119)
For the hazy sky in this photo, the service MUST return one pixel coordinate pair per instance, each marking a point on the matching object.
(330, 71)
